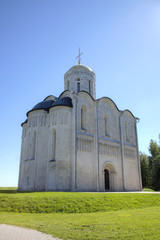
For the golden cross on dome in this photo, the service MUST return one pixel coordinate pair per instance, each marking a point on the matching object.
(79, 59)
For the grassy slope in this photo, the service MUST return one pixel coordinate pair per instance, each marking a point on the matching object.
(52, 202)
(84, 215)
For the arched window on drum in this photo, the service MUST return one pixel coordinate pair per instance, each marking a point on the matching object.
(126, 131)
(83, 118)
(107, 125)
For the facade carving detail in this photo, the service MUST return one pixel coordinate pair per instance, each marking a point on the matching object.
(59, 118)
(84, 145)
(129, 154)
(109, 150)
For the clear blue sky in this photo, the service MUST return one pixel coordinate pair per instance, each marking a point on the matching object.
(39, 41)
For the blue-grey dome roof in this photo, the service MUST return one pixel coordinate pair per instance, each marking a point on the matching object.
(43, 105)
(46, 105)
(64, 101)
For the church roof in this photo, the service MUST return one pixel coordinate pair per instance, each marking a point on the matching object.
(79, 66)
(47, 104)
(65, 101)
(43, 105)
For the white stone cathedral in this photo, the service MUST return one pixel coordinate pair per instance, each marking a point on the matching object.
(79, 143)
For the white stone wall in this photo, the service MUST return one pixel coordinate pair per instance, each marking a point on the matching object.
(59, 171)
(131, 166)
(34, 151)
(107, 108)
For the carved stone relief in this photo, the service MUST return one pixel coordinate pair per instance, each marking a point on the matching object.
(54, 119)
(34, 121)
(109, 150)
(29, 123)
(24, 132)
(84, 145)
(42, 120)
(129, 154)
(59, 117)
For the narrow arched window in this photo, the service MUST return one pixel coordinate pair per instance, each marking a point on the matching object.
(34, 144)
(32, 149)
(89, 86)
(67, 85)
(83, 117)
(27, 149)
(78, 85)
(126, 131)
(106, 125)
(53, 145)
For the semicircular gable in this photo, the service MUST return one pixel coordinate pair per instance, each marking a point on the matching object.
(86, 95)
(50, 97)
(108, 100)
(129, 113)
(66, 93)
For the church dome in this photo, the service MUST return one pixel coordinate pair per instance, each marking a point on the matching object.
(64, 101)
(79, 66)
(45, 105)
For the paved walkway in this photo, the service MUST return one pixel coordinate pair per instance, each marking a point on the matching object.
(8, 232)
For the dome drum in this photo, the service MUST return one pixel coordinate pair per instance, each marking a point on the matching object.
(80, 78)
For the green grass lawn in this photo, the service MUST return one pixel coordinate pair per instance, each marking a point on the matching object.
(122, 224)
(84, 215)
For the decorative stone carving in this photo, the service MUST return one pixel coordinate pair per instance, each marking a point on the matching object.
(84, 145)
(43, 120)
(129, 154)
(24, 132)
(29, 123)
(60, 117)
(34, 121)
(54, 119)
(109, 150)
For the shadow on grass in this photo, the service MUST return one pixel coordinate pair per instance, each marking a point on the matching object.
(8, 191)
(13, 191)
(149, 190)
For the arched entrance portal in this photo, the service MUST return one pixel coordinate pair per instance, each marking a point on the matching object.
(109, 177)
(106, 179)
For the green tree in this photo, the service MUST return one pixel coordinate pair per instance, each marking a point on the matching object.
(154, 164)
(156, 173)
(145, 173)
(154, 151)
